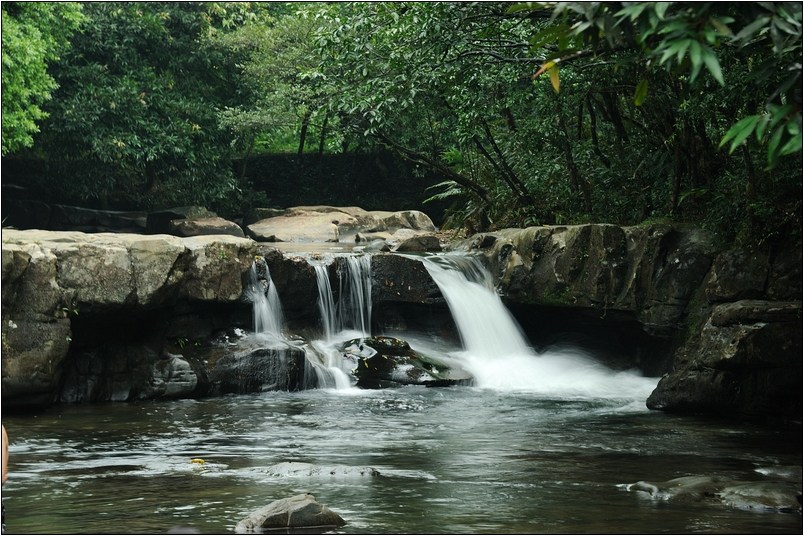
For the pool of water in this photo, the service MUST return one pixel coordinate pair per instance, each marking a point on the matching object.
(453, 460)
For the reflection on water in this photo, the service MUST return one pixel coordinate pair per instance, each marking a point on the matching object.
(456, 460)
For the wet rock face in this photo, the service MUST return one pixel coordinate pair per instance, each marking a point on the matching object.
(734, 316)
(728, 321)
(746, 360)
(652, 272)
(61, 286)
(263, 369)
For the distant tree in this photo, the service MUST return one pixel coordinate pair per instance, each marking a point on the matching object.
(282, 68)
(34, 35)
(134, 122)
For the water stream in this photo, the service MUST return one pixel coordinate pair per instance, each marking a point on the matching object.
(541, 443)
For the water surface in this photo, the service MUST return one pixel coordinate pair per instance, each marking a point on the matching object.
(454, 460)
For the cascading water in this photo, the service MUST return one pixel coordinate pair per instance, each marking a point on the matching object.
(326, 302)
(354, 305)
(498, 356)
(267, 309)
(349, 317)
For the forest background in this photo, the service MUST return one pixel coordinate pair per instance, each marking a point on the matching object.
(494, 114)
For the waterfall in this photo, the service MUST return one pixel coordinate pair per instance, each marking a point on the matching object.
(352, 311)
(348, 317)
(497, 354)
(326, 303)
(267, 309)
(484, 324)
(354, 304)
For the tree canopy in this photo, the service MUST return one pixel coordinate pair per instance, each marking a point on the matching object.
(526, 114)
(34, 35)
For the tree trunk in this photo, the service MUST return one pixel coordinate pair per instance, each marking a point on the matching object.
(303, 135)
(419, 158)
(516, 185)
(323, 137)
(577, 182)
(250, 147)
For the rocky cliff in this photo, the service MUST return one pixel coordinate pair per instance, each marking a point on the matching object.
(734, 316)
(128, 311)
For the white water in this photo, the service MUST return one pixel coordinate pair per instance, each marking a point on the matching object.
(494, 350)
(497, 354)
(354, 305)
(267, 309)
(348, 318)
(326, 302)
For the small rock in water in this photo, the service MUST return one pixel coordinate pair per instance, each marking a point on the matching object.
(298, 511)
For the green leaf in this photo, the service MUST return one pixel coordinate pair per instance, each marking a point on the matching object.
(793, 145)
(713, 65)
(752, 28)
(763, 123)
(695, 53)
(633, 11)
(678, 47)
(740, 131)
(641, 92)
(548, 35)
(661, 8)
(773, 144)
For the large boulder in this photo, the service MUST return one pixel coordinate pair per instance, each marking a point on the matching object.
(158, 222)
(204, 226)
(297, 512)
(745, 360)
(334, 224)
(53, 282)
(743, 346)
(277, 368)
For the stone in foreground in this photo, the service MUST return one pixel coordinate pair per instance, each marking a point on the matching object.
(299, 511)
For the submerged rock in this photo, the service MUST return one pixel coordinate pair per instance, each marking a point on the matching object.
(310, 470)
(299, 511)
(767, 495)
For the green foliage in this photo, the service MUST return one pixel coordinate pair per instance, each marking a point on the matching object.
(523, 114)
(134, 122)
(34, 35)
(685, 37)
(625, 127)
(281, 68)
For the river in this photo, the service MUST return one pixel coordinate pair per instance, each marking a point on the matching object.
(452, 460)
